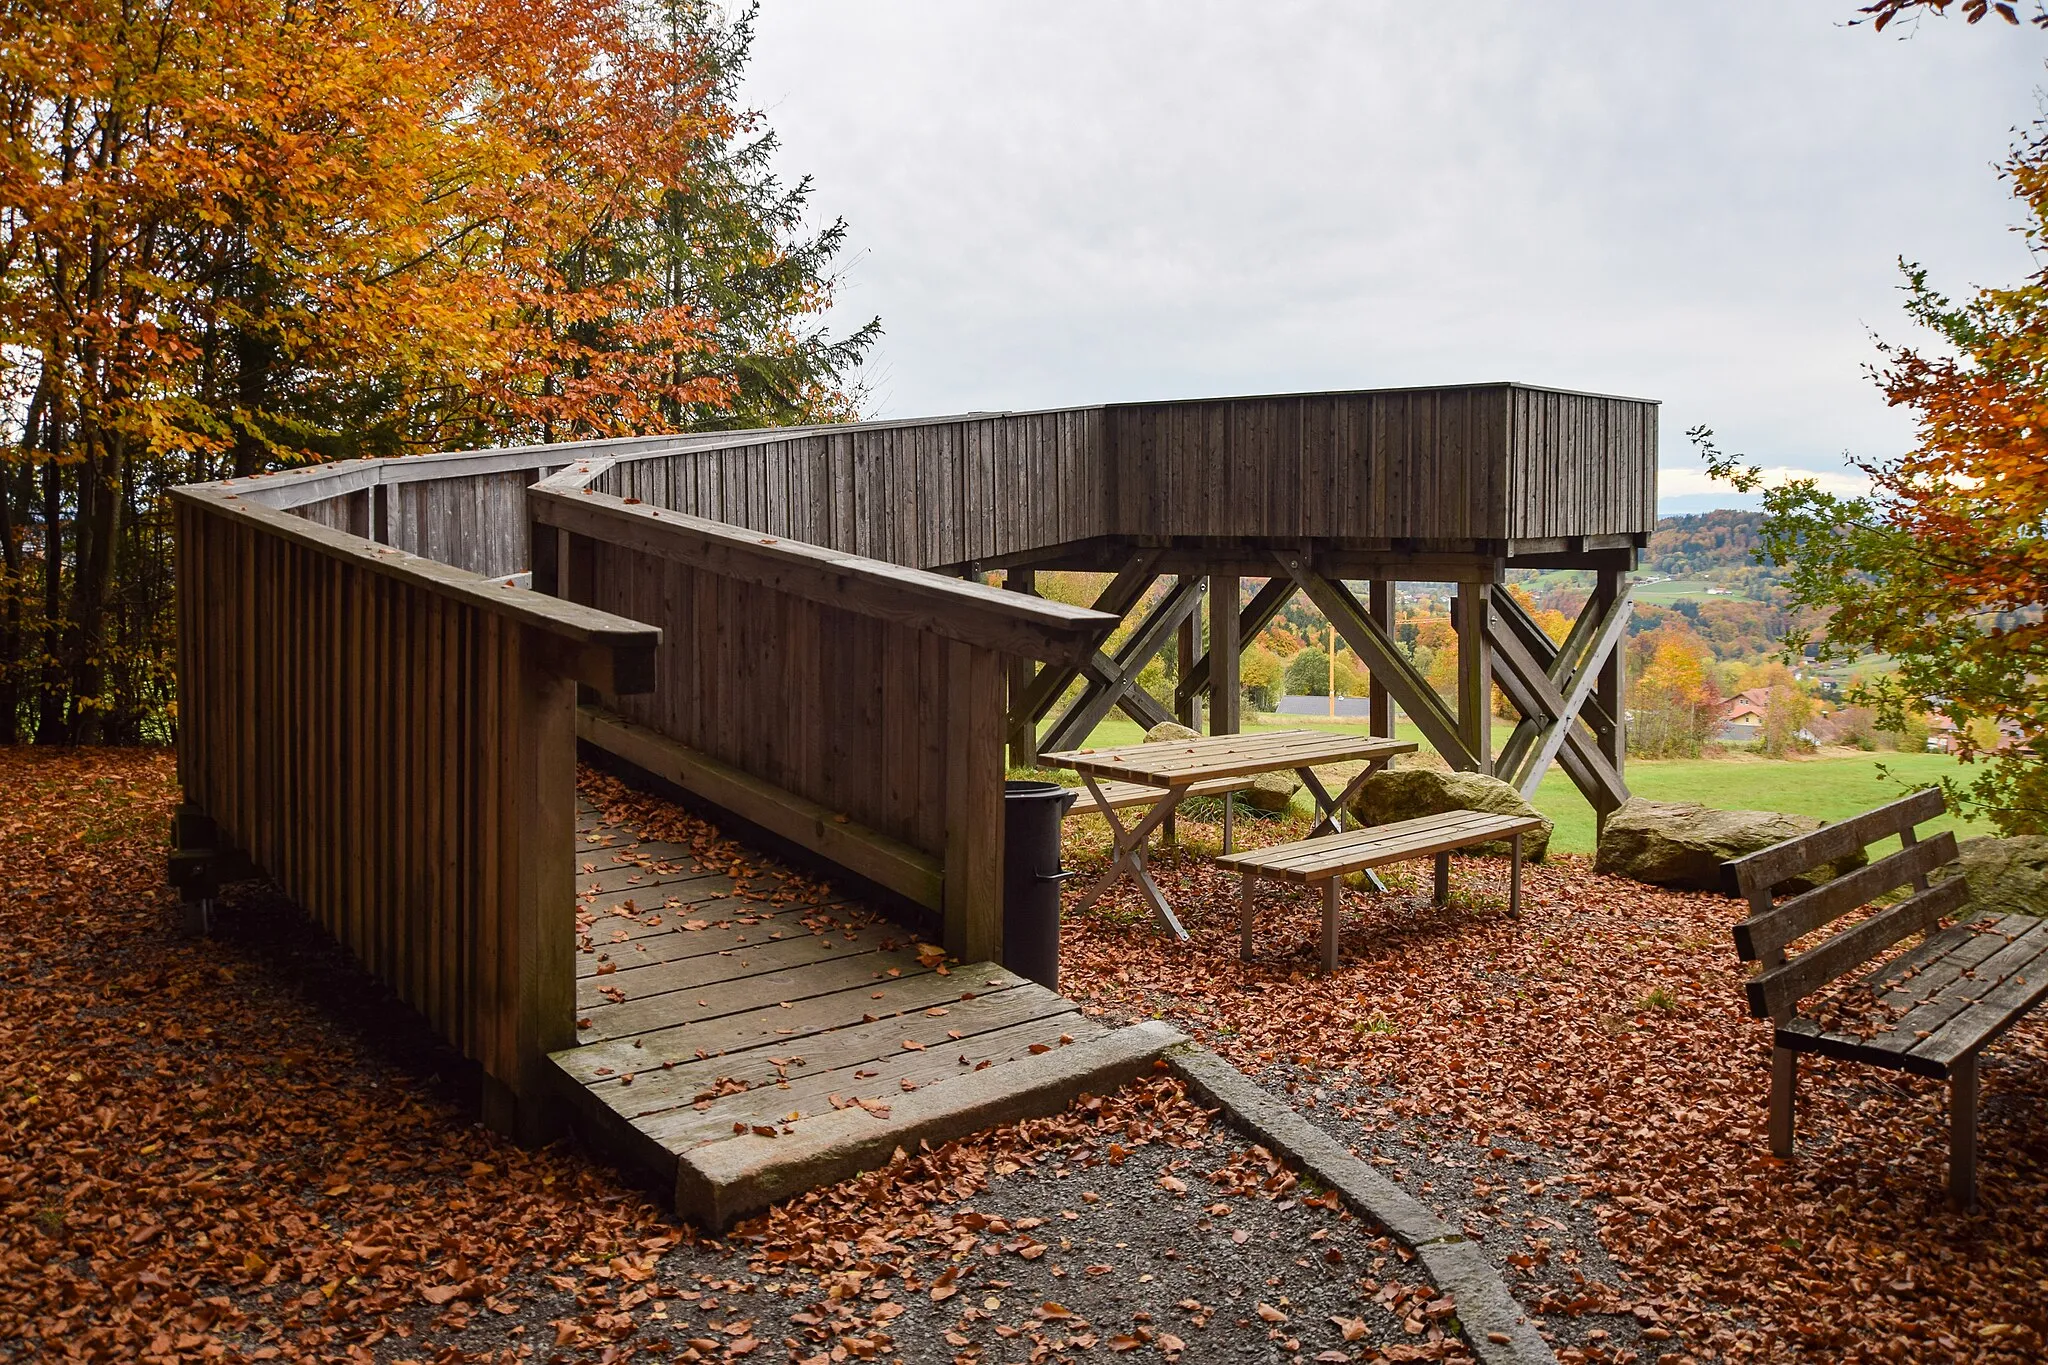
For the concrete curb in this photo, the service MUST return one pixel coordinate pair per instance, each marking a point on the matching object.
(723, 1181)
(1499, 1332)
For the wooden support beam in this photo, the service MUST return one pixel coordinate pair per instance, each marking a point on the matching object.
(1187, 649)
(1549, 654)
(1474, 606)
(539, 942)
(1379, 701)
(1377, 649)
(1611, 589)
(1552, 685)
(1225, 651)
(1125, 591)
(1256, 616)
(1023, 732)
(1113, 682)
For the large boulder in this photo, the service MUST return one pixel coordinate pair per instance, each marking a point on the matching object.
(1684, 843)
(1271, 791)
(1170, 730)
(2007, 876)
(1403, 794)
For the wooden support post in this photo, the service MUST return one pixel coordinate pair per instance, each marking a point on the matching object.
(1962, 1133)
(1023, 737)
(1380, 701)
(546, 557)
(1611, 691)
(542, 941)
(1225, 654)
(975, 717)
(1515, 877)
(1187, 707)
(1784, 1088)
(1441, 891)
(1333, 905)
(1475, 672)
(1244, 915)
(1256, 616)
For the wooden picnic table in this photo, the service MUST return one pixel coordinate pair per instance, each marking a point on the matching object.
(1175, 766)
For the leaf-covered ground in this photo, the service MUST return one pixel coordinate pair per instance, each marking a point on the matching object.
(1583, 1089)
(240, 1149)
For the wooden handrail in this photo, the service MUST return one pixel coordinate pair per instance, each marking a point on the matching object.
(602, 650)
(1014, 623)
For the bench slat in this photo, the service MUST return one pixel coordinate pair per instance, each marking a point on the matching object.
(1933, 995)
(1760, 935)
(1310, 852)
(1312, 860)
(1123, 794)
(1767, 867)
(1776, 991)
(2022, 984)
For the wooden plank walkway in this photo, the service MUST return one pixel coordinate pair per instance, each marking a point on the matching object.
(745, 1044)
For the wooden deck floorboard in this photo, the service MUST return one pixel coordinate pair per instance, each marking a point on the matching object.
(709, 1016)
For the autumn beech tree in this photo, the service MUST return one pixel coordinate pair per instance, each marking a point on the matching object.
(237, 235)
(1944, 564)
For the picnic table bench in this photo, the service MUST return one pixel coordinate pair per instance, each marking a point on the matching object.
(1929, 1010)
(1309, 861)
(1173, 770)
(1109, 796)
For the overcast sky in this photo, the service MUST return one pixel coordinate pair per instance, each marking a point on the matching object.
(1059, 203)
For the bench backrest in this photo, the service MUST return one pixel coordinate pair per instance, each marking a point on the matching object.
(1772, 925)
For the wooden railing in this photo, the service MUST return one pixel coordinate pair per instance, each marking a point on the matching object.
(392, 740)
(462, 508)
(936, 491)
(1451, 466)
(850, 706)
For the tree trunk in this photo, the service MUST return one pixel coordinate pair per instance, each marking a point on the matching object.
(99, 527)
(49, 682)
(12, 568)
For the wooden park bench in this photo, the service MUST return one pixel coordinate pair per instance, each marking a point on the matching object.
(1126, 795)
(1330, 857)
(1929, 1010)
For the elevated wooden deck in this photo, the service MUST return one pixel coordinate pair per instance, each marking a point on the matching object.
(745, 1043)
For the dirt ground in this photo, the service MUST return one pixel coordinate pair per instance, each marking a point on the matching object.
(1583, 1090)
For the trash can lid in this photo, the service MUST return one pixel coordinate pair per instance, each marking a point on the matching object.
(1026, 791)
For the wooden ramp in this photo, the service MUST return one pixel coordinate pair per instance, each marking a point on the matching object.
(746, 1045)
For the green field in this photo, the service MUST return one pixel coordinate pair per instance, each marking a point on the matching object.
(1678, 589)
(1827, 788)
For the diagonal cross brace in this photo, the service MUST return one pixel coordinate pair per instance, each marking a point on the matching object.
(1125, 591)
(1554, 694)
(1113, 682)
(1385, 662)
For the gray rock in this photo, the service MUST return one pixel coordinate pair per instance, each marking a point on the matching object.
(1403, 794)
(1167, 729)
(2007, 876)
(1271, 791)
(1684, 843)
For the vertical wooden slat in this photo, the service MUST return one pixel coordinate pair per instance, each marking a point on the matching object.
(974, 803)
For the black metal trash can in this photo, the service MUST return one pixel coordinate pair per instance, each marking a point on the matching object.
(1032, 813)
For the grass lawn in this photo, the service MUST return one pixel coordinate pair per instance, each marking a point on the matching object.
(1828, 788)
(1678, 589)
